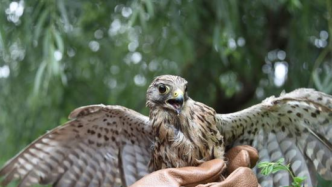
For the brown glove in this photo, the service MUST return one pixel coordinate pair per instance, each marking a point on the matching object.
(241, 156)
(239, 159)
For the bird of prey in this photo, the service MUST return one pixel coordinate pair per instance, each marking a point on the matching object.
(115, 146)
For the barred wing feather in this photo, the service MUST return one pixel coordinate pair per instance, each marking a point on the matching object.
(296, 126)
(100, 146)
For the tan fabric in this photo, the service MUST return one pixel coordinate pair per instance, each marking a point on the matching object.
(241, 156)
(186, 176)
(205, 175)
(241, 177)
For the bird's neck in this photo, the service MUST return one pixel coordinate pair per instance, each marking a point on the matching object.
(169, 126)
(166, 124)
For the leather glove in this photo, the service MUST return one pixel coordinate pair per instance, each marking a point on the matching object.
(239, 175)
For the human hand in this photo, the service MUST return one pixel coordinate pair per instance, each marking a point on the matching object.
(238, 174)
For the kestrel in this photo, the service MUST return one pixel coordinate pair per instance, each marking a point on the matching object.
(113, 145)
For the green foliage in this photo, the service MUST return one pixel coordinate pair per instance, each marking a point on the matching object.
(57, 55)
(268, 168)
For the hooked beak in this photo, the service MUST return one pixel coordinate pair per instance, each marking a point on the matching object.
(176, 101)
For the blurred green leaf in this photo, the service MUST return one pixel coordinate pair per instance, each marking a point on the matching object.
(38, 78)
(268, 168)
(59, 41)
(149, 7)
(39, 28)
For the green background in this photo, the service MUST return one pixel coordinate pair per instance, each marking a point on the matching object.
(57, 55)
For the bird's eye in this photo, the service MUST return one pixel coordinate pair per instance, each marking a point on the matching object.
(163, 89)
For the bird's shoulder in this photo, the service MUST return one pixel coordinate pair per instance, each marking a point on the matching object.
(201, 106)
(200, 111)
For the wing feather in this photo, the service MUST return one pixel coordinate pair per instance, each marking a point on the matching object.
(296, 126)
(90, 150)
(260, 144)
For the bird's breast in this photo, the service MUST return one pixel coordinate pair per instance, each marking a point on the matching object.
(181, 141)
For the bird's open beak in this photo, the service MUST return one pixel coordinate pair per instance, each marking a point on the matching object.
(177, 100)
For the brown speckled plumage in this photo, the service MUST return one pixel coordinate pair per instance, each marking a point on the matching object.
(185, 139)
(112, 145)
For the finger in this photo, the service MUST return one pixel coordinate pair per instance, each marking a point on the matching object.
(241, 159)
(207, 172)
(253, 154)
(241, 156)
(241, 177)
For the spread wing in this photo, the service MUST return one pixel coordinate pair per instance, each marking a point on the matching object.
(296, 126)
(100, 146)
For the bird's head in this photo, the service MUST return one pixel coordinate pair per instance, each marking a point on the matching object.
(168, 92)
